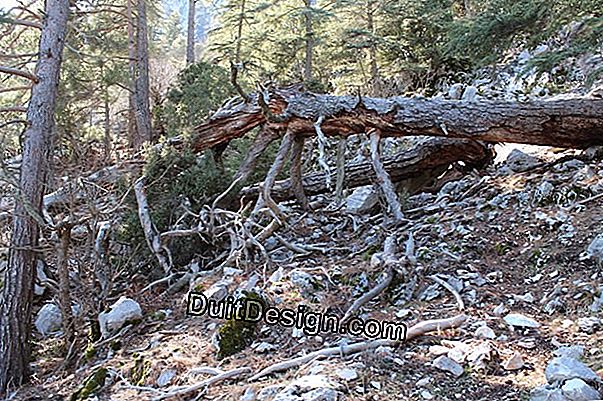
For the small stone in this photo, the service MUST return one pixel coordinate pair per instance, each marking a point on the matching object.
(248, 395)
(578, 390)
(426, 395)
(375, 384)
(514, 363)
(485, 332)
(590, 324)
(347, 374)
(574, 351)
(499, 310)
(165, 377)
(304, 281)
(519, 161)
(527, 298)
(519, 320)
(362, 200)
(448, 365)
(264, 347)
(455, 92)
(424, 382)
(469, 94)
(595, 248)
(564, 368)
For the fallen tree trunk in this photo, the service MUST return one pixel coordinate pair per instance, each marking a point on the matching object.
(433, 156)
(573, 123)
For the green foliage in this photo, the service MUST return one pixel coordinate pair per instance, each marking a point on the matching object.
(199, 90)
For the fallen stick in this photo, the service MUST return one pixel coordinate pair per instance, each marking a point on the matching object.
(454, 292)
(376, 290)
(205, 383)
(415, 331)
(389, 258)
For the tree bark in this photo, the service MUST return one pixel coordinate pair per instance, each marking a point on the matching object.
(190, 34)
(132, 131)
(433, 156)
(141, 91)
(309, 42)
(239, 40)
(17, 293)
(574, 123)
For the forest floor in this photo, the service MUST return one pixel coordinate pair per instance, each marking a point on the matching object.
(500, 237)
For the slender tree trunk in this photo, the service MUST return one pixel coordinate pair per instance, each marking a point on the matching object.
(309, 42)
(190, 37)
(132, 131)
(17, 293)
(107, 127)
(375, 79)
(240, 33)
(141, 85)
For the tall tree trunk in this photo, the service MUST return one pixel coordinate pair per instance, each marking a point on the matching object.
(309, 42)
(107, 125)
(132, 131)
(375, 79)
(141, 85)
(190, 37)
(17, 293)
(239, 33)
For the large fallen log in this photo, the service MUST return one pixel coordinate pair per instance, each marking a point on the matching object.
(433, 157)
(574, 123)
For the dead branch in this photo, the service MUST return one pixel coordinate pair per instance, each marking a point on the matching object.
(383, 179)
(340, 170)
(417, 330)
(13, 109)
(450, 288)
(15, 89)
(275, 169)
(388, 258)
(20, 73)
(203, 384)
(322, 142)
(151, 233)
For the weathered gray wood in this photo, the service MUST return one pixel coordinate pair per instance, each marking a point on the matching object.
(574, 123)
(17, 292)
(434, 155)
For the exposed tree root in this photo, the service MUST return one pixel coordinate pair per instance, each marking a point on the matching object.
(417, 330)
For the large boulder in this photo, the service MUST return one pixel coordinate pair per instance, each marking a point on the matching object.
(123, 311)
(564, 368)
(49, 320)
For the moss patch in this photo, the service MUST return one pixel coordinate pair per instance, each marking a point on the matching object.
(93, 383)
(235, 335)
